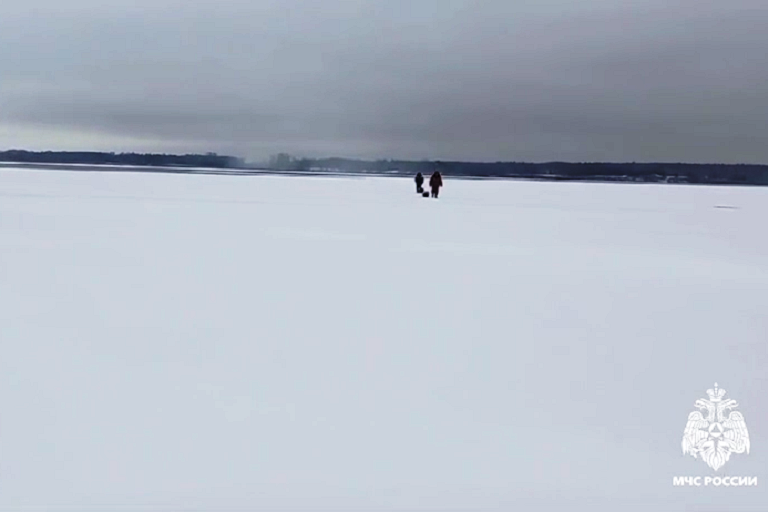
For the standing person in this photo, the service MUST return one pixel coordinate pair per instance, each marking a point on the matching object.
(435, 182)
(419, 183)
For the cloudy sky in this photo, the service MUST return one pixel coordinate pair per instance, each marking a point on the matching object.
(598, 80)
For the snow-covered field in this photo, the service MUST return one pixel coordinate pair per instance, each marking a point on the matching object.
(214, 343)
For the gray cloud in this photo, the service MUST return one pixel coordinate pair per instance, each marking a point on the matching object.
(450, 79)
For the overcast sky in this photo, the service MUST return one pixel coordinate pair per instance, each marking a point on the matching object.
(598, 80)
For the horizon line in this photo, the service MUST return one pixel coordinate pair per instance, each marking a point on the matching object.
(389, 159)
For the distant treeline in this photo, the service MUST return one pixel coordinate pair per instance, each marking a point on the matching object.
(556, 171)
(136, 159)
(641, 172)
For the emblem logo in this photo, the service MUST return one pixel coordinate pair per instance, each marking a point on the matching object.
(712, 435)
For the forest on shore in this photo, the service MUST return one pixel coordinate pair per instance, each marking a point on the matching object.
(737, 174)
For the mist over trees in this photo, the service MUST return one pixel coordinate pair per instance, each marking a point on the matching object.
(554, 171)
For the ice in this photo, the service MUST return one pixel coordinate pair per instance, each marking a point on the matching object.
(230, 343)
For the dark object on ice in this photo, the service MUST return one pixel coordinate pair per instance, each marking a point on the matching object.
(419, 182)
(425, 194)
(435, 182)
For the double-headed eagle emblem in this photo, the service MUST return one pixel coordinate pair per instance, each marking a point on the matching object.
(714, 436)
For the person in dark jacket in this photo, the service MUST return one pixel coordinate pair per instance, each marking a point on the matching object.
(419, 183)
(435, 182)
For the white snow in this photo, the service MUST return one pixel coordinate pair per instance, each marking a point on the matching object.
(217, 343)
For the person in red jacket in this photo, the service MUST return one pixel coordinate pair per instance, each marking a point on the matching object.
(435, 182)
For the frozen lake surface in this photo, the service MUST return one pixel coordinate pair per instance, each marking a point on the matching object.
(216, 343)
